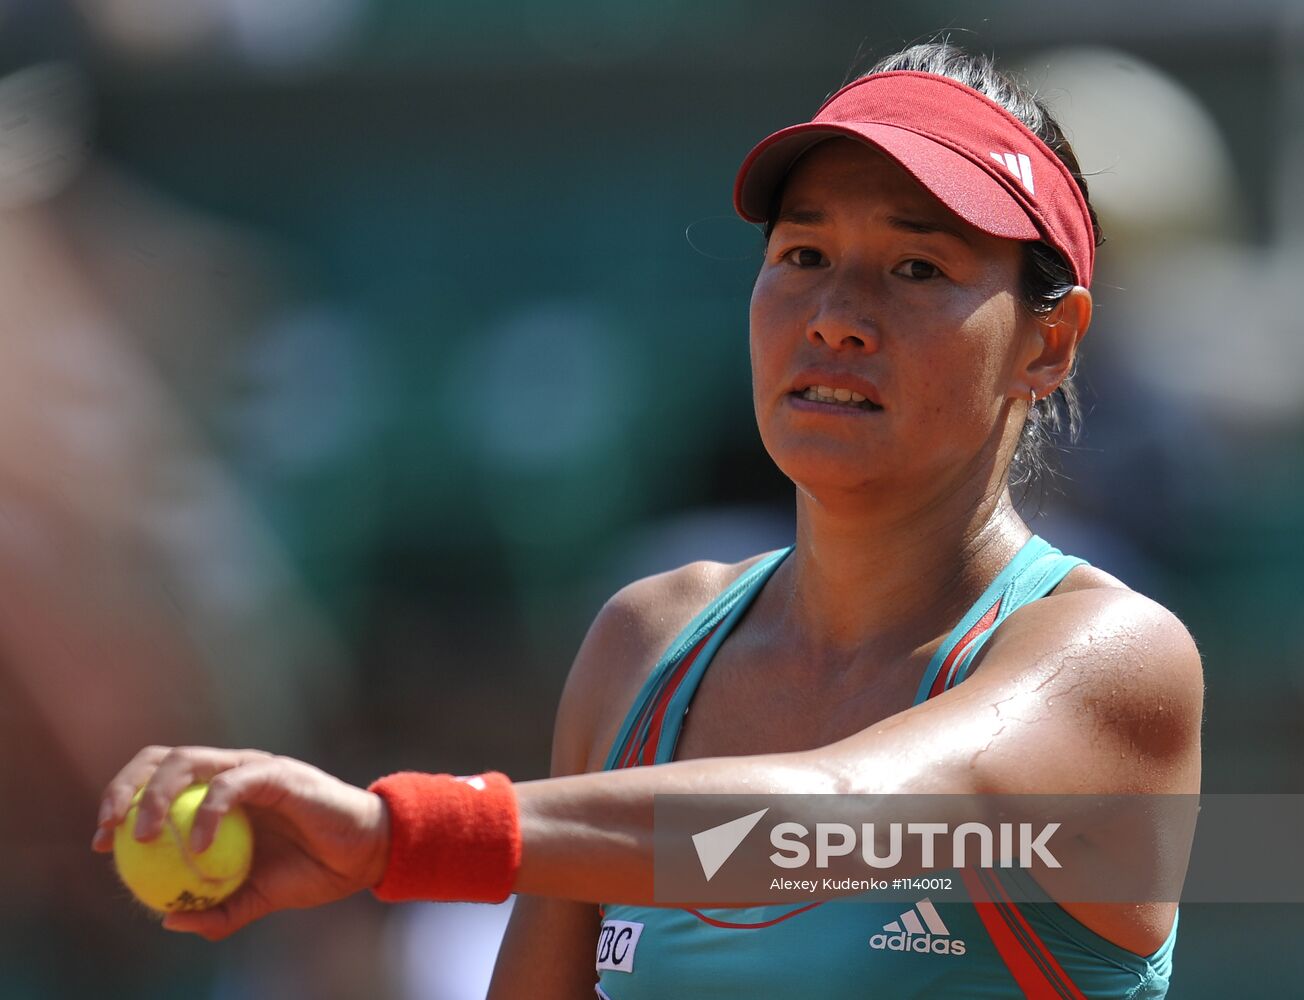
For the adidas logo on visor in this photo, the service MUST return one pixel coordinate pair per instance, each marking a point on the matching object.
(1019, 165)
(920, 929)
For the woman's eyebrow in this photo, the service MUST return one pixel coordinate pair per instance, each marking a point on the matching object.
(926, 227)
(801, 216)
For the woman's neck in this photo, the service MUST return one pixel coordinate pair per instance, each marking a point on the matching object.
(870, 576)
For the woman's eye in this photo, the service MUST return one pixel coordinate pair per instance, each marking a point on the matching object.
(805, 257)
(918, 270)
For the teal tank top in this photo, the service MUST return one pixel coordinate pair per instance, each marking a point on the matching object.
(987, 946)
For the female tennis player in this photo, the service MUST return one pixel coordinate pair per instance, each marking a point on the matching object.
(914, 326)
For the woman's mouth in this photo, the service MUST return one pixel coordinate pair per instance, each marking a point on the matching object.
(837, 397)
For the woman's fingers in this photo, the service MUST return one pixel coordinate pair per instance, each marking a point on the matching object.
(263, 781)
(117, 796)
(180, 768)
(162, 773)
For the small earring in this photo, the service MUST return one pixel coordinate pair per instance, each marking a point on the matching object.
(1033, 394)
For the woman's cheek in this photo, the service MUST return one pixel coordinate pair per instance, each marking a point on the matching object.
(774, 333)
(955, 386)
(763, 291)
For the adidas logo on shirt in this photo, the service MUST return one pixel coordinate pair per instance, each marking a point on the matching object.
(919, 929)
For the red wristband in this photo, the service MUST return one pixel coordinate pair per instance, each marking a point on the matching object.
(451, 839)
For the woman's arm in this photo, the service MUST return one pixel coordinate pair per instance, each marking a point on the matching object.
(1106, 678)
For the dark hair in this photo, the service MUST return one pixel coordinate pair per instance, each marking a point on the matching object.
(1047, 277)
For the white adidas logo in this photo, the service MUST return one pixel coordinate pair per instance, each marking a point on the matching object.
(1019, 165)
(908, 933)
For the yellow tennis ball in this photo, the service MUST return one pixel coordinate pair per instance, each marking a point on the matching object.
(166, 875)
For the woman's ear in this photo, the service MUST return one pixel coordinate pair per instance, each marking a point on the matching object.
(1059, 332)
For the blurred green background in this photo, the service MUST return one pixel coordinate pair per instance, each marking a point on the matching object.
(357, 350)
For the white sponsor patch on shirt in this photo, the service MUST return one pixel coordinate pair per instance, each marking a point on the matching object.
(617, 943)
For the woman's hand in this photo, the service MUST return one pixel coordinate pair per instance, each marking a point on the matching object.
(316, 838)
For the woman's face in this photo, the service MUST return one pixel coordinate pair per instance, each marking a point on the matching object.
(871, 286)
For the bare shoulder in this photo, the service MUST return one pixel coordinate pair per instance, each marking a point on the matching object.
(648, 613)
(623, 644)
(1124, 660)
(1092, 600)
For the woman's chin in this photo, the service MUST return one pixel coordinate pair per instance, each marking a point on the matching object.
(818, 476)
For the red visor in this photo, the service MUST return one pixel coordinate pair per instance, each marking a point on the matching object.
(974, 156)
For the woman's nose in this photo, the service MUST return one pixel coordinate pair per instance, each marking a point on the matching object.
(843, 322)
